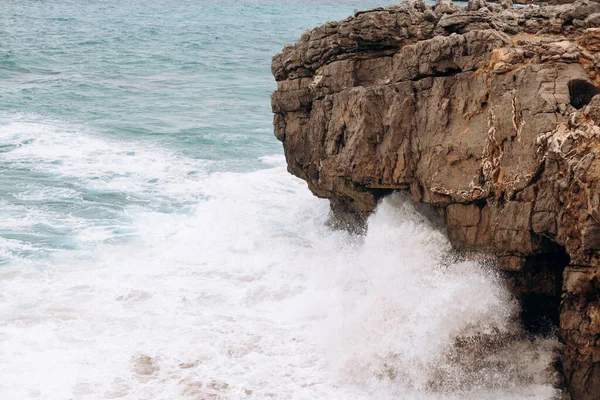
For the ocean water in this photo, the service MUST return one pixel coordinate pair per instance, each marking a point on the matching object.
(153, 246)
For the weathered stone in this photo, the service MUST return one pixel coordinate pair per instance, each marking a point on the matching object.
(445, 7)
(511, 263)
(592, 110)
(591, 236)
(489, 114)
(590, 40)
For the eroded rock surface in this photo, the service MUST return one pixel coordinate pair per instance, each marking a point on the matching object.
(489, 113)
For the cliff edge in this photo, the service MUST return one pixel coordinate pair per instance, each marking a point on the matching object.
(488, 113)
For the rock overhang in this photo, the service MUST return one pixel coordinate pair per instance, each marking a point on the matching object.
(487, 113)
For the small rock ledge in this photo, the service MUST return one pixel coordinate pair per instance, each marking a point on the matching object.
(490, 114)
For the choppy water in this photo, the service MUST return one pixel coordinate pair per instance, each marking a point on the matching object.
(152, 245)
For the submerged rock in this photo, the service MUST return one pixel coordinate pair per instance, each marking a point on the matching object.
(490, 114)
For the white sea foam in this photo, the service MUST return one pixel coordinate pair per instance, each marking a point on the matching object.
(66, 178)
(98, 162)
(249, 296)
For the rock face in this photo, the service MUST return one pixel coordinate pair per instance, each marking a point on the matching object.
(488, 113)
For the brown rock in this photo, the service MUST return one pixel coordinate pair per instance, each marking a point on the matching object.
(489, 114)
(590, 40)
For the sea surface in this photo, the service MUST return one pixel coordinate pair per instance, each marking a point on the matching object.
(153, 246)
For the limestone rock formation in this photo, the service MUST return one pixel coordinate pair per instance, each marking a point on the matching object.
(490, 114)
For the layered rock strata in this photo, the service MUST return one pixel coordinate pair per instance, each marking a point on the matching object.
(488, 113)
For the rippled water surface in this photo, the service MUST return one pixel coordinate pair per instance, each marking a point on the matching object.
(153, 246)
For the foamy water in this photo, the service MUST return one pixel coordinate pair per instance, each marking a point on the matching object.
(247, 295)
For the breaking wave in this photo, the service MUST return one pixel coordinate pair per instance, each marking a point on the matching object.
(132, 271)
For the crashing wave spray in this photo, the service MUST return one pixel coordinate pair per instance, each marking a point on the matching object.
(247, 294)
(409, 321)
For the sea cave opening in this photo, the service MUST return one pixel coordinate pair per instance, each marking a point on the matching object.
(539, 288)
(581, 92)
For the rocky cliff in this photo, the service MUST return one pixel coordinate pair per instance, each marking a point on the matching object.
(491, 115)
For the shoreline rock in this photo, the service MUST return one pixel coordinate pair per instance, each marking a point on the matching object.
(490, 114)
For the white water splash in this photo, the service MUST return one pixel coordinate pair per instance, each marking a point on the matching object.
(250, 296)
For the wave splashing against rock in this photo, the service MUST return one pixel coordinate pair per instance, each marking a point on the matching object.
(410, 321)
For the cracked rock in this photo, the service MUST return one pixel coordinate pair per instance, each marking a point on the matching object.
(489, 114)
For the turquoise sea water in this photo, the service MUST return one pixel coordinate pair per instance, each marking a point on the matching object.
(153, 246)
(188, 77)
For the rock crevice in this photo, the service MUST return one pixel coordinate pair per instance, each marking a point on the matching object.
(490, 114)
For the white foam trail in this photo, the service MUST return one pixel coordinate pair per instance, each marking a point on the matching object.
(253, 296)
(100, 163)
(70, 179)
